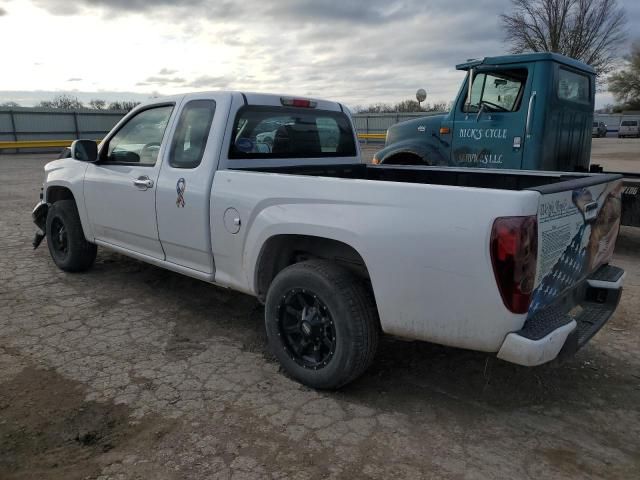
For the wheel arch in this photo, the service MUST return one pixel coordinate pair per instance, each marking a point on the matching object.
(56, 191)
(281, 250)
(425, 153)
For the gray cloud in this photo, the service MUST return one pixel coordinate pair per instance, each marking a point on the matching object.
(3, 12)
(74, 79)
(206, 81)
(219, 9)
(162, 80)
(356, 51)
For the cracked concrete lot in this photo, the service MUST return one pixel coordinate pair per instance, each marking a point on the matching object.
(132, 372)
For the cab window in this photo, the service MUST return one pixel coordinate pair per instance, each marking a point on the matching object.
(190, 137)
(139, 140)
(572, 86)
(282, 132)
(496, 91)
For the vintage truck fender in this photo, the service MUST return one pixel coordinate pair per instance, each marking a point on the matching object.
(68, 175)
(425, 153)
(420, 138)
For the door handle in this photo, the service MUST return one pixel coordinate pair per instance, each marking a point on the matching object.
(532, 104)
(143, 182)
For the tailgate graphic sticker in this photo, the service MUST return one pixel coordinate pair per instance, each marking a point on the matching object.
(576, 234)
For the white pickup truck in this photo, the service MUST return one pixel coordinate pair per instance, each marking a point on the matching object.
(515, 263)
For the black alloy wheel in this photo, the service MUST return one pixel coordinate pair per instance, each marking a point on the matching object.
(59, 238)
(306, 327)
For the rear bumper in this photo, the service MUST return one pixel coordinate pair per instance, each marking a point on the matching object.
(563, 328)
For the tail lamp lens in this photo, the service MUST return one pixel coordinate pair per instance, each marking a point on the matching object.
(514, 253)
(297, 102)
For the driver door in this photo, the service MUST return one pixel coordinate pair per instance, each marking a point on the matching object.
(120, 189)
(489, 131)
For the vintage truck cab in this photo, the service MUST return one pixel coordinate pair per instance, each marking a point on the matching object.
(531, 111)
(524, 112)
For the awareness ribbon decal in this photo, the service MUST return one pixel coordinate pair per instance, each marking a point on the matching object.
(181, 186)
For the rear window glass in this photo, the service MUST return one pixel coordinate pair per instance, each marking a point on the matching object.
(629, 123)
(573, 87)
(279, 132)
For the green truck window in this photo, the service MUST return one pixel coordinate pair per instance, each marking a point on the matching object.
(497, 91)
(572, 86)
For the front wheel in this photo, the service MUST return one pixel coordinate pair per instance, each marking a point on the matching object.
(322, 324)
(69, 249)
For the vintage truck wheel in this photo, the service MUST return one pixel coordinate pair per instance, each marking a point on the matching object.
(322, 324)
(69, 249)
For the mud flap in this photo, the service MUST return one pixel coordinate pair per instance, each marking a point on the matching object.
(39, 216)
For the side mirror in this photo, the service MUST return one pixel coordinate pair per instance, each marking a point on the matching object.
(84, 150)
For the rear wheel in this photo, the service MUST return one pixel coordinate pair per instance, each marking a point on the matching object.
(321, 323)
(68, 247)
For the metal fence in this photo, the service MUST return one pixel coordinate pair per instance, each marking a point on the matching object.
(33, 124)
(371, 123)
(38, 124)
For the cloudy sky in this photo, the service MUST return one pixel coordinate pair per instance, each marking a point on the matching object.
(355, 51)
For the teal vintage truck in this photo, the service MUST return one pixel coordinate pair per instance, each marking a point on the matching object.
(527, 112)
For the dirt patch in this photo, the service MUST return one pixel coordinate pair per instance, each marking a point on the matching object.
(48, 431)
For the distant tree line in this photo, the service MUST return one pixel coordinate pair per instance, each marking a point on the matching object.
(405, 106)
(625, 83)
(69, 102)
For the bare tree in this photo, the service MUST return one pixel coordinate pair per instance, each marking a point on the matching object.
(625, 84)
(588, 30)
(97, 104)
(403, 107)
(9, 104)
(126, 105)
(66, 102)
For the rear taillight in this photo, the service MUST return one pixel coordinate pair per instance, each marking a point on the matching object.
(514, 252)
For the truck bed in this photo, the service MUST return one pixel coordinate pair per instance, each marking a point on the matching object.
(543, 182)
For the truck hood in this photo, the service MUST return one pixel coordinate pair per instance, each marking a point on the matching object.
(418, 126)
(59, 164)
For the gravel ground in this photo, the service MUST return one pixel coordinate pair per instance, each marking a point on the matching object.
(132, 372)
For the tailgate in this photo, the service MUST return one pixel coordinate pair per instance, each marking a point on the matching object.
(578, 223)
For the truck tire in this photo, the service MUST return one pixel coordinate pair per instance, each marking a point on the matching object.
(68, 247)
(322, 324)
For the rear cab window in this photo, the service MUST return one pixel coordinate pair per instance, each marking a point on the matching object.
(262, 132)
(573, 87)
(629, 123)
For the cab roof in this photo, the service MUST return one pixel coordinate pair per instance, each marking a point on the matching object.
(527, 57)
